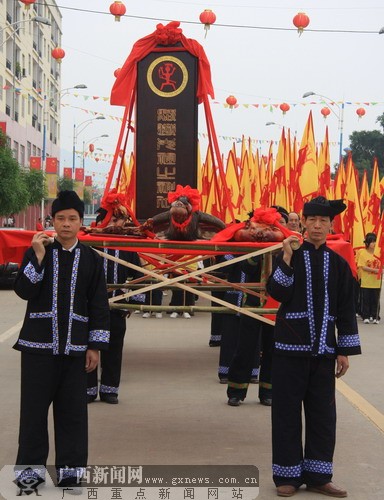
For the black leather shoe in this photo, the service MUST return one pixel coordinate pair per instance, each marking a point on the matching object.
(328, 489)
(266, 401)
(90, 398)
(109, 398)
(234, 402)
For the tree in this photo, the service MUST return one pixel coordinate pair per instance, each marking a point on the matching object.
(34, 180)
(64, 184)
(367, 145)
(14, 195)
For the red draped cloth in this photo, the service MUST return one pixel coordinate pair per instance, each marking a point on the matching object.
(169, 36)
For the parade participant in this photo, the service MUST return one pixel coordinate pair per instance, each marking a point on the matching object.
(66, 324)
(370, 281)
(315, 288)
(39, 225)
(115, 273)
(293, 222)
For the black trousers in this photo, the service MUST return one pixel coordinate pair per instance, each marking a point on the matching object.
(310, 383)
(110, 360)
(246, 357)
(370, 303)
(62, 381)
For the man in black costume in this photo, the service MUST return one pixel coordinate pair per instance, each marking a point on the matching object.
(315, 288)
(66, 324)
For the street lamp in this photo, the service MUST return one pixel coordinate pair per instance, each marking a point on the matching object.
(274, 123)
(339, 116)
(45, 120)
(76, 132)
(36, 19)
(90, 142)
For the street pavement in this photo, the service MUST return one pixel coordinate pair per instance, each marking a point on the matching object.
(173, 411)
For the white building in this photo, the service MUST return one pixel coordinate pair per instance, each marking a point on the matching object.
(30, 77)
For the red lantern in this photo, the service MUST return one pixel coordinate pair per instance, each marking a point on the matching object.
(325, 112)
(116, 72)
(91, 148)
(207, 17)
(360, 112)
(58, 54)
(231, 101)
(27, 3)
(117, 9)
(97, 159)
(301, 21)
(285, 107)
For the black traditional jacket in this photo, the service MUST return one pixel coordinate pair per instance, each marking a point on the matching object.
(316, 296)
(67, 311)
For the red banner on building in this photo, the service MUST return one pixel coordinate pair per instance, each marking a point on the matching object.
(3, 127)
(35, 162)
(88, 180)
(67, 173)
(79, 174)
(51, 165)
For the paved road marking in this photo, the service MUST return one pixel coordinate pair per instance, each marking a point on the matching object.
(15, 329)
(368, 410)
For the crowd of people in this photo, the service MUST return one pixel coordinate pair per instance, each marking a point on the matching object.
(68, 326)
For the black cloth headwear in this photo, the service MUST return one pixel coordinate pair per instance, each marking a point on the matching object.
(282, 211)
(66, 200)
(322, 206)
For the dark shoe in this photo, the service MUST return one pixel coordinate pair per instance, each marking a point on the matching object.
(234, 402)
(254, 380)
(267, 402)
(223, 381)
(328, 489)
(109, 398)
(286, 490)
(90, 398)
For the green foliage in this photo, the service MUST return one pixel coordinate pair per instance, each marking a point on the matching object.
(65, 184)
(14, 194)
(367, 145)
(34, 180)
(87, 196)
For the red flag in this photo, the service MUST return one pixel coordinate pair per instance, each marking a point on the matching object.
(88, 180)
(79, 174)
(35, 162)
(51, 165)
(67, 173)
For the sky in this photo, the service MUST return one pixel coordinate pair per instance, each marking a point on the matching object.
(255, 54)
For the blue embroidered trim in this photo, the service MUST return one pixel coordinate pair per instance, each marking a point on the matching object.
(39, 315)
(78, 317)
(216, 337)
(352, 340)
(55, 287)
(296, 315)
(75, 269)
(224, 370)
(282, 279)
(109, 389)
(292, 347)
(255, 372)
(38, 345)
(31, 273)
(78, 348)
(318, 466)
(92, 391)
(99, 336)
(287, 471)
(29, 473)
(324, 325)
(140, 297)
(69, 472)
(309, 291)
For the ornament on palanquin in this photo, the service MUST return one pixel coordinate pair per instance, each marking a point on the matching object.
(116, 72)
(117, 9)
(207, 17)
(301, 21)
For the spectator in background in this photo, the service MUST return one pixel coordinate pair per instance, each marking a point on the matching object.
(39, 225)
(294, 222)
(370, 280)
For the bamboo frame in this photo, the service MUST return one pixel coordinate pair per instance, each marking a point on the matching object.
(166, 282)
